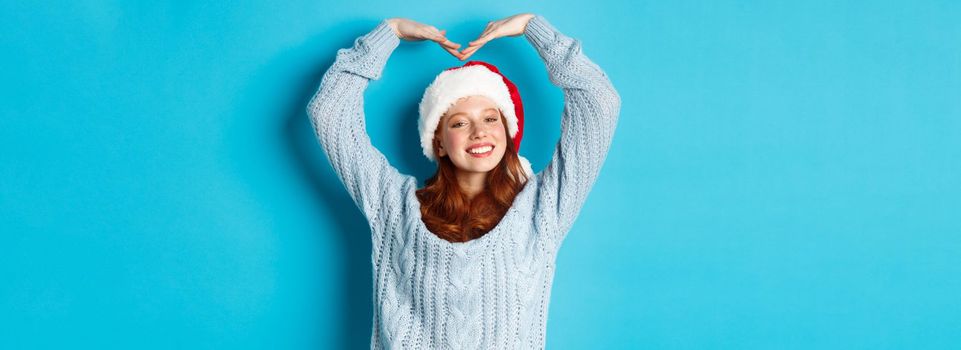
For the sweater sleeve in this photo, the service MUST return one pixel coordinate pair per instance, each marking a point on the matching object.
(588, 121)
(337, 114)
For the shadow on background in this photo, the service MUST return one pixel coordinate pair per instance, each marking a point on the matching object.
(356, 307)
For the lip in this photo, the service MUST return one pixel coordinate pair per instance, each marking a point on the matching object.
(481, 155)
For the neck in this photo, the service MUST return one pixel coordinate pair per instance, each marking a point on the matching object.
(471, 183)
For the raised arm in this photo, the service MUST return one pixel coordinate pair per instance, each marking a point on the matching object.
(337, 115)
(591, 109)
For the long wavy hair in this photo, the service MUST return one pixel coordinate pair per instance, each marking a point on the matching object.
(451, 215)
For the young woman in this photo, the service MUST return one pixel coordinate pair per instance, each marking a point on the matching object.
(468, 260)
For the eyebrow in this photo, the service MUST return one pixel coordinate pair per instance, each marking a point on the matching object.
(458, 113)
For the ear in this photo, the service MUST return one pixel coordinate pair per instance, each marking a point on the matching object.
(440, 150)
(438, 144)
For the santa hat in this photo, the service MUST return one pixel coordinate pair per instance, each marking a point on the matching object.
(473, 78)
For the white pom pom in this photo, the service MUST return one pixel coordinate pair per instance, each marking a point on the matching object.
(527, 166)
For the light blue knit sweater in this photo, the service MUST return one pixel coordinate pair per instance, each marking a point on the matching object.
(491, 292)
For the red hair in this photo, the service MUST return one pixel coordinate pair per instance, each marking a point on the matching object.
(451, 215)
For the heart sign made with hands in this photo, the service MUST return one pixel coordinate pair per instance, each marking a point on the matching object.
(410, 30)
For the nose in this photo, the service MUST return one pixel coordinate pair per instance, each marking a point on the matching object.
(479, 131)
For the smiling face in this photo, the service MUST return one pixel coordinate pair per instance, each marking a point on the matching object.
(472, 133)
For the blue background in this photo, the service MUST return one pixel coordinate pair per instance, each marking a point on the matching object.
(784, 175)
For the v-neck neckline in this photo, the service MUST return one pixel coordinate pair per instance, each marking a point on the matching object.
(496, 231)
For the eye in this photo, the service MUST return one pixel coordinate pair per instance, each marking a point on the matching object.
(457, 124)
(492, 119)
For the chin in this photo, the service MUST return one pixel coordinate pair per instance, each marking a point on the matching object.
(477, 168)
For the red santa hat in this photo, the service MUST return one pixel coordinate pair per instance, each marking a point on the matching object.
(473, 78)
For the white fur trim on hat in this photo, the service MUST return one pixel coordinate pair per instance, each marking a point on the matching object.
(451, 85)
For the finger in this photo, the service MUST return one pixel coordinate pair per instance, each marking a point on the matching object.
(453, 52)
(427, 34)
(475, 46)
(443, 41)
(446, 43)
(483, 37)
(470, 51)
(438, 35)
(480, 41)
(450, 44)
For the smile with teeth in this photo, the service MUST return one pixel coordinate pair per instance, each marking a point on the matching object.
(480, 152)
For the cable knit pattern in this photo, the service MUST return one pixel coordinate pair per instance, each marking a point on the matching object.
(491, 292)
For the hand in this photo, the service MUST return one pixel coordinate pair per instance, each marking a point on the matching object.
(510, 26)
(414, 31)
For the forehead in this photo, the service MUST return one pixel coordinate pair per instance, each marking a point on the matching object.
(471, 105)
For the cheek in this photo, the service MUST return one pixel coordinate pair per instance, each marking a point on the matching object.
(502, 136)
(453, 139)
